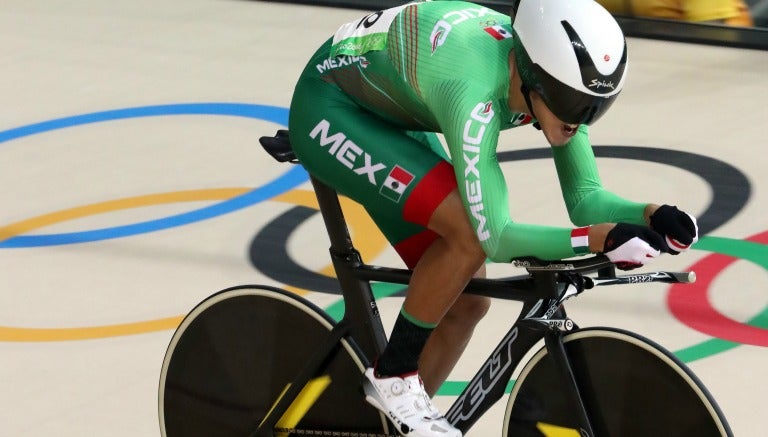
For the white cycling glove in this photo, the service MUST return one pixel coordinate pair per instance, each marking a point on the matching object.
(632, 246)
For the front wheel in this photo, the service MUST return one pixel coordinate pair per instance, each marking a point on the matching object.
(631, 387)
(236, 352)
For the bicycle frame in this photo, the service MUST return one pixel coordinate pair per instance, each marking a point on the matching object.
(542, 292)
(362, 323)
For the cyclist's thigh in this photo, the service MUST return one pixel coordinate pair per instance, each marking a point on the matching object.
(399, 176)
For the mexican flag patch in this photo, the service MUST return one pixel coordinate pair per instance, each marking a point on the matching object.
(396, 183)
(499, 32)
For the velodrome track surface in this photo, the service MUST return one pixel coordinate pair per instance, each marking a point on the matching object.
(133, 187)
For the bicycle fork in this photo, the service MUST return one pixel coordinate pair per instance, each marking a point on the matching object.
(551, 317)
(553, 340)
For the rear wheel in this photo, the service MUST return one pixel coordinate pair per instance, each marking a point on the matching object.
(631, 387)
(239, 349)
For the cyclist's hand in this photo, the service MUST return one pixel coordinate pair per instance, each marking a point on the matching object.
(678, 228)
(632, 246)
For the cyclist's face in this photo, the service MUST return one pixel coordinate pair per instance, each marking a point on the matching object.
(557, 132)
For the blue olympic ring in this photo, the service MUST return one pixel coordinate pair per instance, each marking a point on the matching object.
(287, 181)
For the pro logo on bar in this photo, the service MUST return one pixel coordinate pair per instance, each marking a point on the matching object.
(396, 183)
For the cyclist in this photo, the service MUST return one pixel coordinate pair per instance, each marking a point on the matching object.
(364, 118)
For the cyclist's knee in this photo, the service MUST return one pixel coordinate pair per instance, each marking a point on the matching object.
(467, 255)
(472, 251)
(451, 223)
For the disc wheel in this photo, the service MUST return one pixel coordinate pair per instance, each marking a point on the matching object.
(631, 387)
(236, 352)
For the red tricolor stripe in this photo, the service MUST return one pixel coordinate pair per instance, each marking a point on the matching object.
(580, 240)
(412, 248)
(429, 193)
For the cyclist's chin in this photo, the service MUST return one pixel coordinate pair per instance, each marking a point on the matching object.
(558, 133)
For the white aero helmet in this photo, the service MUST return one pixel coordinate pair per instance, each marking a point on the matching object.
(572, 53)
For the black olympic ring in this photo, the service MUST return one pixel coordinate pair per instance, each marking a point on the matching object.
(730, 193)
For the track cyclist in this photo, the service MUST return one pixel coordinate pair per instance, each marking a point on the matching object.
(364, 118)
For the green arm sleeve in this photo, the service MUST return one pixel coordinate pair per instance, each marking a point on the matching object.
(585, 198)
(545, 242)
(471, 131)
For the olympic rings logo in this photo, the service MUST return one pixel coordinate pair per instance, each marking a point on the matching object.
(689, 304)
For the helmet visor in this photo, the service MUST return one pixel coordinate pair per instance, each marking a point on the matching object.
(569, 104)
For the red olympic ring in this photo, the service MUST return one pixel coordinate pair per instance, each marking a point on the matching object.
(691, 305)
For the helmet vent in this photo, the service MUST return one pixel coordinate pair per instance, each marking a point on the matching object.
(592, 79)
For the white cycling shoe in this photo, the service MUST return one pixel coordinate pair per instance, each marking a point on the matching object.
(407, 404)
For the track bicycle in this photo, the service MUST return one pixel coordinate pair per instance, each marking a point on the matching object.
(258, 361)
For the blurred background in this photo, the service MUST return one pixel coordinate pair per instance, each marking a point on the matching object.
(739, 23)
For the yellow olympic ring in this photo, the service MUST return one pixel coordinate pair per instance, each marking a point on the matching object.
(370, 242)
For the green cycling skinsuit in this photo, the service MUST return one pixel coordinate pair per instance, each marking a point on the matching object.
(368, 104)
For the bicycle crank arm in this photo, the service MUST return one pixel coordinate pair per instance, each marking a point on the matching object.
(332, 433)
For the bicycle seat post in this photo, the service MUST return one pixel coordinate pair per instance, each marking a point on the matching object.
(361, 311)
(361, 316)
(333, 217)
